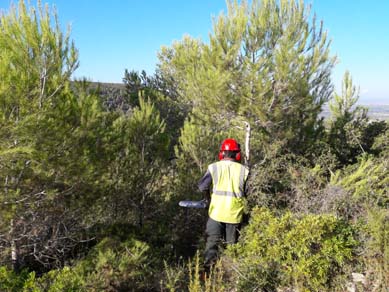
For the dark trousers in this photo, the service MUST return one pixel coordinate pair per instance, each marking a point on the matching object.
(218, 234)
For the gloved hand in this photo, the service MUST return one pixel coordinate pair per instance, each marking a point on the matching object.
(205, 202)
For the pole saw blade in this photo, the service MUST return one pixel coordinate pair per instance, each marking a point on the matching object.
(193, 204)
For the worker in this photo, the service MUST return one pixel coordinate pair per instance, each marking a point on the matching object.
(228, 180)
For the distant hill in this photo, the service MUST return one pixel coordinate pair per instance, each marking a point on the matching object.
(107, 85)
(376, 111)
(380, 112)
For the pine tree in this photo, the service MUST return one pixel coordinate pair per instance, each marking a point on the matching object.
(266, 63)
(344, 106)
(36, 62)
(137, 152)
(349, 123)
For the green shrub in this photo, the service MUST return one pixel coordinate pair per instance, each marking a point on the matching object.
(190, 276)
(211, 281)
(110, 266)
(65, 280)
(173, 277)
(367, 181)
(376, 254)
(115, 265)
(11, 281)
(381, 143)
(307, 253)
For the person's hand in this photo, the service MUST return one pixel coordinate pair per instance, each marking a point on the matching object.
(205, 202)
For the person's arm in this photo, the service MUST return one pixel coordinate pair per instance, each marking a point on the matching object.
(204, 185)
(246, 188)
(246, 185)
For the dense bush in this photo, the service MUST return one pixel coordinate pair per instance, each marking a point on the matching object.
(112, 265)
(11, 281)
(376, 256)
(307, 253)
(367, 182)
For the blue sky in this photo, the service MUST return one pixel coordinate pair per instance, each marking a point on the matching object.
(115, 35)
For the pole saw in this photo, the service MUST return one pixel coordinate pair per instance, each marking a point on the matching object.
(204, 203)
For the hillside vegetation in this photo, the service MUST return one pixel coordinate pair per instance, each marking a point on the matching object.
(91, 176)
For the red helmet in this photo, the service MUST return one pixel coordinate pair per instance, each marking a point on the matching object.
(230, 145)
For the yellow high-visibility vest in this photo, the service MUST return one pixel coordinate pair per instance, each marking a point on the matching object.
(227, 199)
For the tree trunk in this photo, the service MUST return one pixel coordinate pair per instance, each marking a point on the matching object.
(14, 249)
(247, 144)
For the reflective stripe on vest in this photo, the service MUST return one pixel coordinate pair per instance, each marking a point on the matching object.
(228, 179)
